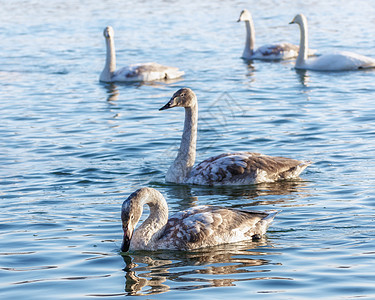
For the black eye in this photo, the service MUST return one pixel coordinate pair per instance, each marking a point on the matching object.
(182, 95)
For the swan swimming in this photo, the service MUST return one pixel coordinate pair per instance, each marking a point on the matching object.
(136, 72)
(239, 168)
(266, 52)
(337, 61)
(197, 227)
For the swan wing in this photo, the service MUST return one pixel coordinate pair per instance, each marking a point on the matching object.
(245, 168)
(204, 226)
(276, 51)
(146, 72)
(341, 61)
(279, 51)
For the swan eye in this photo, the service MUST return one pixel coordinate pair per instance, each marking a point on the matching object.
(182, 95)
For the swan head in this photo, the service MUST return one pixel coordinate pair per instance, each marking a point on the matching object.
(244, 16)
(184, 97)
(131, 212)
(108, 32)
(299, 19)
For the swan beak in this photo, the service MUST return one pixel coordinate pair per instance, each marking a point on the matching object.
(126, 241)
(171, 103)
(291, 22)
(239, 20)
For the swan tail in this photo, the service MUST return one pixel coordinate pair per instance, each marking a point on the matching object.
(263, 224)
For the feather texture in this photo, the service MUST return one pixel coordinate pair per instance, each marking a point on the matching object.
(243, 168)
(196, 227)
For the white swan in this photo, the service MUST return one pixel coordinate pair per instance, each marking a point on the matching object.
(196, 227)
(337, 61)
(136, 72)
(240, 168)
(266, 52)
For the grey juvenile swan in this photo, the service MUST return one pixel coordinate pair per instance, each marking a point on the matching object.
(136, 72)
(269, 51)
(336, 61)
(196, 227)
(239, 168)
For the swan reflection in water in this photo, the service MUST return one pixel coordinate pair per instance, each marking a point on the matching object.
(281, 192)
(112, 89)
(112, 92)
(158, 272)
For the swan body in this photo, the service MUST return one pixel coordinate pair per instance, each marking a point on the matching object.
(135, 72)
(196, 227)
(336, 61)
(240, 168)
(267, 52)
(244, 168)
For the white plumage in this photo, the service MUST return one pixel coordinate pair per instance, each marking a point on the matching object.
(267, 52)
(239, 168)
(336, 61)
(196, 227)
(135, 72)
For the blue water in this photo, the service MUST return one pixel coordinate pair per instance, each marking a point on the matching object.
(72, 149)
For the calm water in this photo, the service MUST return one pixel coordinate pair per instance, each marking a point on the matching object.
(73, 149)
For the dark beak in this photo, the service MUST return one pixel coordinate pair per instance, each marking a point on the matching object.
(239, 20)
(291, 22)
(126, 242)
(170, 104)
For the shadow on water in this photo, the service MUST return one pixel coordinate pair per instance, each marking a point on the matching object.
(254, 191)
(184, 195)
(251, 69)
(157, 272)
(303, 77)
(187, 195)
(112, 91)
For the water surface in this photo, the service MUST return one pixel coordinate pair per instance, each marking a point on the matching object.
(72, 149)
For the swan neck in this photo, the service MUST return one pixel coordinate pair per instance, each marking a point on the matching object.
(150, 229)
(250, 38)
(110, 62)
(303, 46)
(184, 162)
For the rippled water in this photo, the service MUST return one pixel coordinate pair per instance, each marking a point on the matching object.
(73, 149)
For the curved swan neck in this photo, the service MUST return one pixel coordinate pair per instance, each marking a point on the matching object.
(156, 220)
(304, 44)
(110, 62)
(180, 169)
(250, 38)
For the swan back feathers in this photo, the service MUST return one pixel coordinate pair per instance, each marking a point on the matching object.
(276, 51)
(242, 168)
(340, 61)
(146, 72)
(204, 226)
